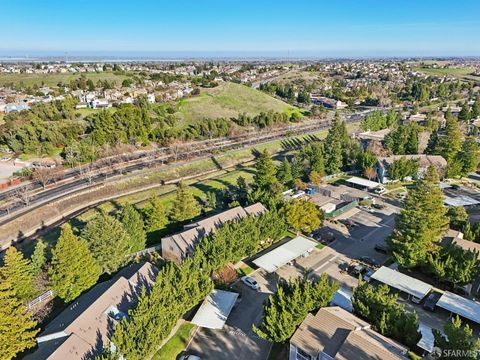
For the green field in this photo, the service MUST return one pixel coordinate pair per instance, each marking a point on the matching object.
(458, 72)
(228, 100)
(54, 79)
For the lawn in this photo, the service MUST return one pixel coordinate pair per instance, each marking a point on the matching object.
(176, 344)
(54, 79)
(228, 100)
(457, 72)
(244, 270)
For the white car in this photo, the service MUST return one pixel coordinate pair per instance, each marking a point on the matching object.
(250, 282)
(380, 190)
(189, 357)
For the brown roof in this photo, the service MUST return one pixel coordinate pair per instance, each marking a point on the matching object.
(466, 244)
(341, 335)
(187, 239)
(87, 322)
(423, 160)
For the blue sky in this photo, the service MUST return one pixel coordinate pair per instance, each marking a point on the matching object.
(277, 28)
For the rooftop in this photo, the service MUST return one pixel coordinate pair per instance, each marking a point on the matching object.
(402, 282)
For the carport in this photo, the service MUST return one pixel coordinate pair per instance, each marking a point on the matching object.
(285, 253)
(402, 282)
(459, 305)
(362, 183)
(214, 311)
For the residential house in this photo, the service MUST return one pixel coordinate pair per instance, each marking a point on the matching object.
(424, 161)
(16, 107)
(178, 246)
(334, 333)
(83, 330)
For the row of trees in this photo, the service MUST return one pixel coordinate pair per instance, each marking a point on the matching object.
(377, 120)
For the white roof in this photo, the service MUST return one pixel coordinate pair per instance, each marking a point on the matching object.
(462, 200)
(215, 309)
(363, 182)
(464, 307)
(402, 282)
(281, 255)
(342, 298)
(427, 341)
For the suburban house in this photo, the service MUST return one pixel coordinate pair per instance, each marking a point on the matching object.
(334, 333)
(180, 245)
(328, 103)
(424, 161)
(83, 329)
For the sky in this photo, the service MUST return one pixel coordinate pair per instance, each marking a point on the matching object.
(174, 28)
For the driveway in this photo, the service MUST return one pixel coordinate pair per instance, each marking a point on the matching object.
(237, 340)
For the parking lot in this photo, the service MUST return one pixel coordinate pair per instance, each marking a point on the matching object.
(237, 340)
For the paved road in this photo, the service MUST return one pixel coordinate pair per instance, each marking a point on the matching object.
(237, 340)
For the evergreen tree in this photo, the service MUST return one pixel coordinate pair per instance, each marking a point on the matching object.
(108, 242)
(134, 226)
(380, 308)
(464, 113)
(458, 217)
(303, 215)
(287, 308)
(155, 215)
(335, 143)
(265, 171)
(17, 329)
(284, 173)
(451, 143)
(457, 338)
(39, 258)
(185, 207)
(421, 223)
(19, 273)
(315, 155)
(476, 109)
(74, 269)
(469, 156)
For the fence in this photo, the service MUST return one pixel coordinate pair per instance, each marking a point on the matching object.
(45, 296)
(146, 251)
(341, 210)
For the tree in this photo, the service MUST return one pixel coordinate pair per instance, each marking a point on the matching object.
(403, 168)
(366, 160)
(421, 223)
(107, 240)
(38, 258)
(44, 175)
(451, 143)
(476, 109)
(17, 329)
(155, 215)
(74, 269)
(315, 178)
(287, 308)
(458, 217)
(211, 199)
(19, 273)
(457, 339)
(464, 113)
(133, 223)
(265, 171)
(469, 156)
(185, 207)
(335, 143)
(379, 308)
(284, 173)
(303, 215)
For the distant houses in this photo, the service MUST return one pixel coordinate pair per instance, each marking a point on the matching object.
(178, 246)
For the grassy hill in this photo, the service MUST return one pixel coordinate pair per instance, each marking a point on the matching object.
(228, 100)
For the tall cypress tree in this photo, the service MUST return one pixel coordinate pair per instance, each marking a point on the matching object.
(185, 207)
(265, 171)
(18, 271)
(73, 267)
(421, 223)
(107, 240)
(155, 215)
(285, 173)
(135, 228)
(17, 329)
(39, 257)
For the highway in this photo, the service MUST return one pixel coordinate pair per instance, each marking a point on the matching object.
(74, 181)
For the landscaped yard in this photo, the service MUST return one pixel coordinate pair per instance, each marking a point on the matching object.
(176, 344)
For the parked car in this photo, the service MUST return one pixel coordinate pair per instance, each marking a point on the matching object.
(189, 357)
(368, 260)
(357, 269)
(368, 274)
(250, 282)
(431, 301)
(379, 206)
(380, 190)
(381, 248)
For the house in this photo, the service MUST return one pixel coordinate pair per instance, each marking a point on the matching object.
(328, 103)
(418, 118)
(334, 333)
(83, 329)
(16, 107)
(424, 161)
(180, 245)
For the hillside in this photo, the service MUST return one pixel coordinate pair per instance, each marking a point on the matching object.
(228, 100)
